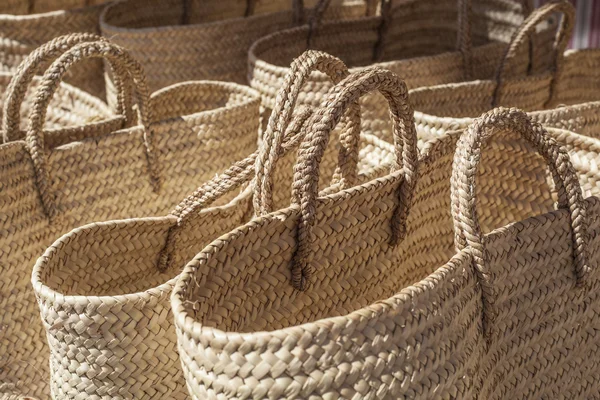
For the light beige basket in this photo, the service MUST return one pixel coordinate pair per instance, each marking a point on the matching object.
(426, 42)
(128, 166)
(178, 40)
(564, 96)
(27, 24)
(512, 315)
(103, 289)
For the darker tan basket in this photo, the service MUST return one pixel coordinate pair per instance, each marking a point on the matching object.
(103, 289)
(507, 314)
(178, 40)
(27, 24)
(141, 162)
(427, 42)
(564, 96)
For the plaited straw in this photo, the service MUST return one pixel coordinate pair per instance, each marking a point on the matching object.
(563, 96)
(25, 25)
(212, 41)
(71, 107)
(131, 291)
(426, 42)
(99, 172)
(406, 321)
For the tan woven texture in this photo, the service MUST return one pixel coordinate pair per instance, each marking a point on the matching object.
(178, 40)
(395, 313)
(426, 42)
(27, 24)
(103, 289)
(139, 163)
(564, 96)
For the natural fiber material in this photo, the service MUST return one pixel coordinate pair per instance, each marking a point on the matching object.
(178, 40)
(104, 288)
(130, 166)
(427, 42)
(564, 96)
(27, 24)
(512, 316)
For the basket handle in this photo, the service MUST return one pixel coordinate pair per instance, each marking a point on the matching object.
(22, 78)
(467, 231)
(285, 103)
(279, 138)
(188, 211)
(319, 128)
(129, 68)
(521, 37)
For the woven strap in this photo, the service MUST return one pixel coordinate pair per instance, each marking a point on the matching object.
(233, 178)
(319, 128)
(521, 38)
(32, 65)
(116, 56)
(463, 191)
(281, 116)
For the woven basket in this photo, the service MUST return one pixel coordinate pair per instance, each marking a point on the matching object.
(85, 310)
(178, 40)
(392, 310)
(27, 24)
(565, 96)
(420, 40)
(129, 166)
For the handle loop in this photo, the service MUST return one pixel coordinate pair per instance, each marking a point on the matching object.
(467, 230)
(522, 35)
(320, 126)
(234, 177)
(38, 59)
(281, 115)
(118, 57)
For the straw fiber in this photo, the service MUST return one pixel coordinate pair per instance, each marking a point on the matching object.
(426, 42)
(112, 280)
(27, 24)
(139, 163)
(403, 294)
(564, 96)
(178, 40)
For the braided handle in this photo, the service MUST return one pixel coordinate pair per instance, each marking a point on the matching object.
(281, 115)
(37, 60)
(320, 126)
(521, 38)
(234, 177)
(467, 230)
(118, 57)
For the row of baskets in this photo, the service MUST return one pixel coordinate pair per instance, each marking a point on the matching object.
(331, 223)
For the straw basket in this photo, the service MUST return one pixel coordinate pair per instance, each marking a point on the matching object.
(361, 293)
(120, 318)
(139, 163)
